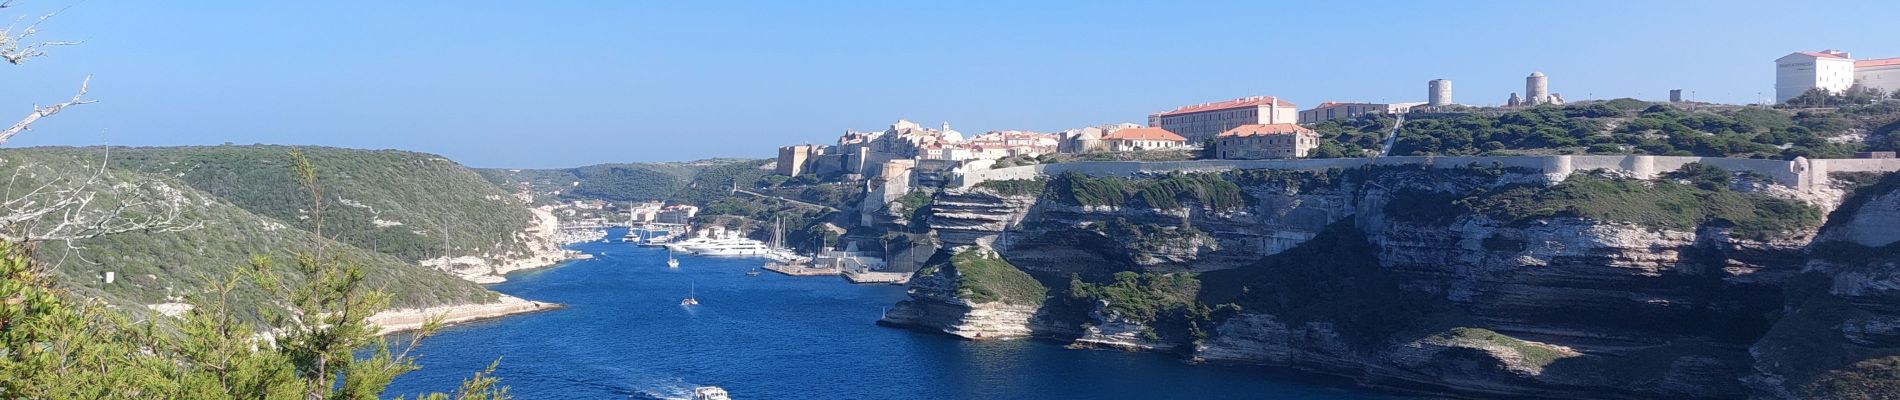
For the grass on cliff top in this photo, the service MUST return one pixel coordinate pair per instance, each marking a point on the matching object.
(1660, 203)
(1166, 192)
(984, 277)
(1533, 354)
(1017, 187)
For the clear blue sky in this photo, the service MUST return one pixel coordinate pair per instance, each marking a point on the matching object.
(550, 84)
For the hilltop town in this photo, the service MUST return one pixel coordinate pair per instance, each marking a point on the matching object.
(1811, 85)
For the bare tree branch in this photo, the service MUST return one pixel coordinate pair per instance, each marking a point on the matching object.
(43, 112)
(60, 208)
(16, 48)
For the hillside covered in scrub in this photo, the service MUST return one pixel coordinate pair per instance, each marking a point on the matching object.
(384, 210)
(1627, 126)
(685, 182)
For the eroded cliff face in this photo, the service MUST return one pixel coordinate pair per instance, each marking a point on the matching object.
(1557, 306)
(1839, 335)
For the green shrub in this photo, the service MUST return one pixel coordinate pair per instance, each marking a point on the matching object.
(984, 277)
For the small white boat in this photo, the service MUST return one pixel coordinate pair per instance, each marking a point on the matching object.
(710, 393)
(670, 261)
(692, 298)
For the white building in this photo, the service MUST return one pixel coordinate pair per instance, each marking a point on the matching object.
(1834, 71)
(1201, 121)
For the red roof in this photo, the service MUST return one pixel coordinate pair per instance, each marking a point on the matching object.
(1255, 101)
(1882, 62)
(1144, 134)
(1267, 129)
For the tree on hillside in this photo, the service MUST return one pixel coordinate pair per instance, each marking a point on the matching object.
(54, 345)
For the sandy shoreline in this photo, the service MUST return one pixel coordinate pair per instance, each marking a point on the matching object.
(398, 320)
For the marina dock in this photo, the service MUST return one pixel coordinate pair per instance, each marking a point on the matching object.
(861, 276)
(801, 270)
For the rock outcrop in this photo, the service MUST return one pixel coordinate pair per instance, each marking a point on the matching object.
(1558, 305)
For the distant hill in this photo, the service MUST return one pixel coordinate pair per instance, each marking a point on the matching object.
(158, 267)
(688, 182)
(396, 202)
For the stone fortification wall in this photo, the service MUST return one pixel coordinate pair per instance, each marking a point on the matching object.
(1800, 174)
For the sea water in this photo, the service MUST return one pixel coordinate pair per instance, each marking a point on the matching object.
(623, 334)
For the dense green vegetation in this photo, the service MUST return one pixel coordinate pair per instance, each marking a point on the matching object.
(1166, 192)
(160, 266)
(1662, 203)
(694, 182)
(414, 206)
(1016, 187)
(1141, 297)
(984, 277)
(1344, 138)
(1633, 127)
(56, 345)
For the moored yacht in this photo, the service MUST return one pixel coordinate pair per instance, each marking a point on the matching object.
(733, 248)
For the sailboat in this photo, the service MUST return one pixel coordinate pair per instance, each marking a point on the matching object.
(670, 261)
(692, 298)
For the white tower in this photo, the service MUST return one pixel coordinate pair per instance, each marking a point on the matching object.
(1536, 89)
(1439, 94)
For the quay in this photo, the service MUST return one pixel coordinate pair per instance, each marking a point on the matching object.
(866, 276)
(800, 270)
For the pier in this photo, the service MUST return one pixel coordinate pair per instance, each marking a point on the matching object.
(800, 270)
(867, 276)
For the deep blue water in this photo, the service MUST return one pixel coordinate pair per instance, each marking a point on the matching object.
(624, 335)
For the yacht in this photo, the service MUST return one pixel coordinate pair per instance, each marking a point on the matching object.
(710, 393)
(733, 248)
(671, 262)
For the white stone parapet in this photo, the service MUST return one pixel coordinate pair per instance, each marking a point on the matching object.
(1801, 173)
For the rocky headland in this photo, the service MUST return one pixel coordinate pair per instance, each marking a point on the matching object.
(1476, 281)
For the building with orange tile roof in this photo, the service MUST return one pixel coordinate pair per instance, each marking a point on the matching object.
(1145, 138)
(1265, 141)
(1201, 121)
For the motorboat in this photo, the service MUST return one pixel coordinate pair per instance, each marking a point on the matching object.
(710, 393)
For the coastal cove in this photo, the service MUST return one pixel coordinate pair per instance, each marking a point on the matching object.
(621, 333)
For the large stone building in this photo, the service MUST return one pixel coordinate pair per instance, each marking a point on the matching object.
(1087, 139)
(1266, 141)
(1335, 110)
(798, 160)
(1201, 121)
(1135, 139)
(1834, 71)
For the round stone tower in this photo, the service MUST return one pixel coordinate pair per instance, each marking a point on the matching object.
(1536, 89)
(1439, 94)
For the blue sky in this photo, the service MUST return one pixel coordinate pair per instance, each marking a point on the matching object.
(552, 84)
